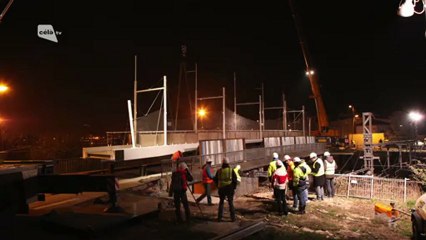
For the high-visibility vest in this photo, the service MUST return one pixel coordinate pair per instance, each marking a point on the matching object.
(330, 168)
(321, 168)
(272, 167)
(206, 178)
(225, 177)
(238, 175)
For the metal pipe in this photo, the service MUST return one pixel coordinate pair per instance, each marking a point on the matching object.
(223, 113)
(260, 116)
(284, 115)
(135, 98)
(132, 132)
(165, 110)
(196, 99)
(263, 107)
(303, 120)
(235, 101)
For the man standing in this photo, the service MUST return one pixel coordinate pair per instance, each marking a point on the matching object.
(289, 164)
(272, 166)
(207, 181)
(226, 181)
(279, 181)
(319, 177)
(178, 189)
(301, 182)
(330, 168)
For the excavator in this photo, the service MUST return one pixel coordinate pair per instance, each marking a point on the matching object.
(323, 124)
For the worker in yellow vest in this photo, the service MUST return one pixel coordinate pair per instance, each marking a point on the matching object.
(301, 182)
(318, 173)
(226, 182)
(272, 165)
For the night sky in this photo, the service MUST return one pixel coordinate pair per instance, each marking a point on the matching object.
(364, 53)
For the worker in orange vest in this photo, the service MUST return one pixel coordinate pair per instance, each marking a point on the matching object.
(207, 181)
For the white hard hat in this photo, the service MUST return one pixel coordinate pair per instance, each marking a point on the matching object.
(312, 155)
(327, 154)
(279, 163)
(208, 160)
(238, 166)
(225, 160)
(183, 166)
(275, 155)
(297, 159)
(287, 157)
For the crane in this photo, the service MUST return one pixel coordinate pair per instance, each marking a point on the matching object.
(3, 13)
(322, 117)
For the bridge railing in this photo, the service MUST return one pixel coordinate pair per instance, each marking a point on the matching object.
(260, 155)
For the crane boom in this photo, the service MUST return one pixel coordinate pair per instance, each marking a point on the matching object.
(313, 79)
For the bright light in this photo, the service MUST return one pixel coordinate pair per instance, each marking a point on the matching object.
(3, 88)
(202, 112)
(350, 106)
(406, 9)
(415, 116)
(356, 116)
(311, 72)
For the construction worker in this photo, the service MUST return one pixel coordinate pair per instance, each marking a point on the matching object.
(226, 181)
(207, 181)
(237, 172)
(272, 167)
(289, 164)
(279, 181)
(301, 182)
(179, 185)
(318, 173)
(330, 168)
(175, 159)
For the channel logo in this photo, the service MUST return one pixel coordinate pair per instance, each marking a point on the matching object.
(47, 32)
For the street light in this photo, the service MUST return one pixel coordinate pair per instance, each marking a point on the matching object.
(3, 88)
(201, 114)
(415, 117)
(408, 8)
(353, 117)
(310, 72)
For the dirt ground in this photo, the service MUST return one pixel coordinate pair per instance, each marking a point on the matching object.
(337, 218)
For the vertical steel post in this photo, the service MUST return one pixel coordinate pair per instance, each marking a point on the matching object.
(196, 100)
(235, 102)
(135, 99)
(223, 114)
(303, 120)
(132, 132)
(165, 109)
(260, 116)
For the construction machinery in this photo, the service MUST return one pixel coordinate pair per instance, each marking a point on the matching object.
(322, 117)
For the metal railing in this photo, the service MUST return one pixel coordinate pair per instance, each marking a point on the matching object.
(370, 187)
(195, 163)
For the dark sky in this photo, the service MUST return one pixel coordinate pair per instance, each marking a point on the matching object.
(364, 53)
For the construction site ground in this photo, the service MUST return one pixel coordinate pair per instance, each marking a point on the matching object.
(149, 213)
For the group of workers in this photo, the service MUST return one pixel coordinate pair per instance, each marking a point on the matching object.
(293, 174)
(284, 175)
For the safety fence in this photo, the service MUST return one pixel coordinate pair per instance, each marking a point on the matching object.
(370, 187)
